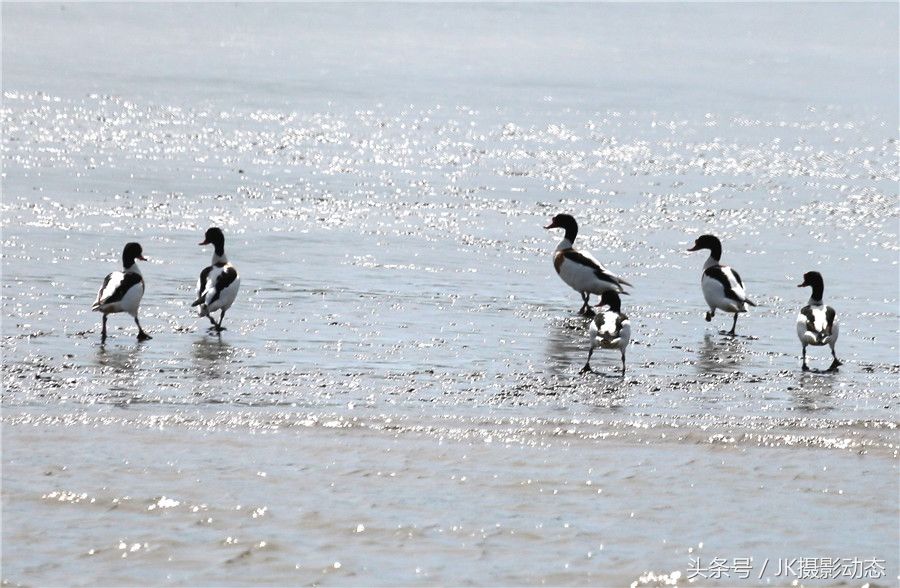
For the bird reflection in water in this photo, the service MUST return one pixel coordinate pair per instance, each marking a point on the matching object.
(813, 391)
(124, 384)
(567, 342)
(120, 359)
(718, 356)
(211, 357)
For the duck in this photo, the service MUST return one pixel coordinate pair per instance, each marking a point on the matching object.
(218, 284)
(579, 269)
(817, 323)
(122, 290)
(610, 329)
(722, 286)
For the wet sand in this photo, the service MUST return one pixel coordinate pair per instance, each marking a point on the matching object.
(396, 399)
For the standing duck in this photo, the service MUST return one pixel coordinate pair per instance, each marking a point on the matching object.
(610, 329)
(722, 286)
(817, 324)
(579, 269)
(218, 284)
(122, 291)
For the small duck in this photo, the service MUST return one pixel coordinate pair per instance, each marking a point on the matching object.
(610, 329)
(219, 283)
(579, 269)
(817, 324)
(122, 291)
(722, 285)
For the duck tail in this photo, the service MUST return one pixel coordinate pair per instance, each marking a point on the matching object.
(750, 302)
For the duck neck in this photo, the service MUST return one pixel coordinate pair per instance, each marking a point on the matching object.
(131, 266)
(711, 261)
(219, 257)
(817, 292)
(569, 240)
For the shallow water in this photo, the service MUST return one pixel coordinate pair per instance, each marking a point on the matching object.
(396, 398)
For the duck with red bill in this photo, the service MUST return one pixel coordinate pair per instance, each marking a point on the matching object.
(122, 290)
(579, 269)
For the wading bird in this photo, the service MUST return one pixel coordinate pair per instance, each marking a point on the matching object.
(219, 283)
(579, 269)
(817, 323)
(610, 329)
(722, 286)
(122, 291)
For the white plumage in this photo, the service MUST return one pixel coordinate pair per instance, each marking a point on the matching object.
(586, 278)
(816, 331)
(714, 291)
(130, 299)
(215, 299)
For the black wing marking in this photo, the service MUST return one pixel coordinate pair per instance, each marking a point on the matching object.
(737, 277)
(715, 272)
(601, 322)
(225, 279)
(601, 273)
(829, 318)
(577, 257)
(130, 279)
(102, 288)
(810, 318)
(619, 320)
(202, 281)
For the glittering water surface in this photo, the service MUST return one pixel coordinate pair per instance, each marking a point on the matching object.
(396, 399)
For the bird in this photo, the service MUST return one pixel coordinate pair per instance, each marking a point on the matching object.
(817, 323)
(218, 284)
(122, 291)
(610, 329)
(722, 285)
(579, 269)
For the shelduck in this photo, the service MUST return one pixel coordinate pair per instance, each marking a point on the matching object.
(817, 323)
(219, 283)
(722, 285)
(122, 291)
(579, 269)
(610, 329)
